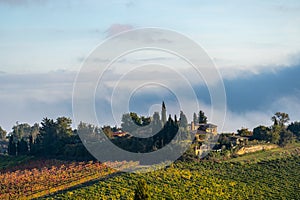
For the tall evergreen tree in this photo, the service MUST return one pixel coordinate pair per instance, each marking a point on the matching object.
(34, 131)
(64, 128)
(11, 146)
(47, 138)
(163, 113)
(183, 120)
(53, 136)
(23, 147)
(294, 127)
(195, 119)
(202, 118)
(156, 123)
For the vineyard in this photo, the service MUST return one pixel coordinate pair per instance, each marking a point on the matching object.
(37, 178)
(207, 180)
(262, 175)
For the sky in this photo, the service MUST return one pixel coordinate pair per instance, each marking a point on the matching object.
(254, 44)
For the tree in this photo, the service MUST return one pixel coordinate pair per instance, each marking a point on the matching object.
(20, 132)
(2, 133)
(133, 123)
(183, 120)
(274, 134)
(286, 137)
(202, 118)
(46, 142)
(175, 119)
(163, 113)
(22, 138)
(280, 118)
(261, 133)
(53, 136)
(127, 122)
(91, 132)
(244, 132)
(156, 123)
(141, 191)
(35, 129)
(23, 147)
(145, 120)
(130, 122)
(11, 146)
(64, 133)
(195, 118)
(224, 142)
(294, 127)
(268, 134)
(85, 129)
(63, 128)
(136, 119)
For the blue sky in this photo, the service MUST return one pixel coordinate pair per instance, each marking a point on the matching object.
(249, 41)
(49, 35)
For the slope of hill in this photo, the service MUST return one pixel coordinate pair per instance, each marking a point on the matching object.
(265, 178)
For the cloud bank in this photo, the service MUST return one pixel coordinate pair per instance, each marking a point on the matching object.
(251, 99)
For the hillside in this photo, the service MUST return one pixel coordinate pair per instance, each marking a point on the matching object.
(270, 154)
(274, 174)
(263, 174)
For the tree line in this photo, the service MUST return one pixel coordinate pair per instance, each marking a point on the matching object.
(281, 132)
(50, 138)
(56, 138)
(159, 133)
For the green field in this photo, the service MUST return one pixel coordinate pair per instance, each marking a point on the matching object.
(272, 174)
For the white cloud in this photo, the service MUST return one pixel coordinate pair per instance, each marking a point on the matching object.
(31, 97)
(289, 104)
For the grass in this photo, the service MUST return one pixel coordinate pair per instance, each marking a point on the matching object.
(268, 155)
(7, 162)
